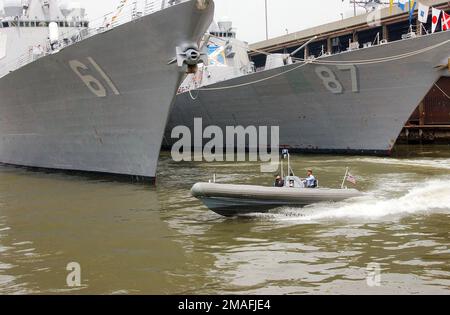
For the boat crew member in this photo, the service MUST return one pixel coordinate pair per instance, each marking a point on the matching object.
(310, 181)
(279, 182)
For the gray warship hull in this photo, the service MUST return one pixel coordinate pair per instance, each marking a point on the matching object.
(359, 106)
(100, 105)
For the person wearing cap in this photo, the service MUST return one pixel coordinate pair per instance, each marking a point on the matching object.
(279, 182)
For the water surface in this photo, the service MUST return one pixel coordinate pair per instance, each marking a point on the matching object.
(145, 240)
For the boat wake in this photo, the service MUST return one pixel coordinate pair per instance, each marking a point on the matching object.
(431, 197)
(424, 163)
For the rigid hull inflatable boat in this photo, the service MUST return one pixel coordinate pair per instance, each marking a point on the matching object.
(231, 200)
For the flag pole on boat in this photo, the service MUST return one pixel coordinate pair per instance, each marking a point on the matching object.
(345, 177)
(285, 154)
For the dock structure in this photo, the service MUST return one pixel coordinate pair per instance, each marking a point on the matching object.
(431, 120)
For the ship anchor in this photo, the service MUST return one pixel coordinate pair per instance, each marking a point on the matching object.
(188, 57)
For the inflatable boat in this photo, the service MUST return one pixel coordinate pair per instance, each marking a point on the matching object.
(232, 200)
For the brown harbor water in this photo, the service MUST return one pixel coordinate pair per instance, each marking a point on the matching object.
(158, 240)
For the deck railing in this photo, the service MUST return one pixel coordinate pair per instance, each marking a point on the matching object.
(134, 10)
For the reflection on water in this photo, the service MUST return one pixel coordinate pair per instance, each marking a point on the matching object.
(139, 239)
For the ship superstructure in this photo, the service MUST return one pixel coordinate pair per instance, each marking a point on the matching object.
(227, 58)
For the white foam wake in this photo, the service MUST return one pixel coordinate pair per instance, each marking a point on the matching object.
(431, 197)
(426, 163)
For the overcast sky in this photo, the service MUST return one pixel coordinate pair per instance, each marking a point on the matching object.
(248, 15)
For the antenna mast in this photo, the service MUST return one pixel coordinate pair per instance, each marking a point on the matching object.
(267, 21)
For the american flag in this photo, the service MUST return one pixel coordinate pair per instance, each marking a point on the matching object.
(351, 179)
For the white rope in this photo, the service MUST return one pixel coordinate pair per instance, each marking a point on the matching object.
(192, 97)
(254, 82)
(380, 60)
(446, 95)
(357, 62)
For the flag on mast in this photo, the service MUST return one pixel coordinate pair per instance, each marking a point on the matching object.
(402, 4)
(412, 8)
(348, 177)
(119, 10)
(435, 19)
(351, 179)
(423, 12)
(445, 21)
(391, 6)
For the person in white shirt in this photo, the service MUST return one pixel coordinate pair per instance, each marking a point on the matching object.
(310, 181)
